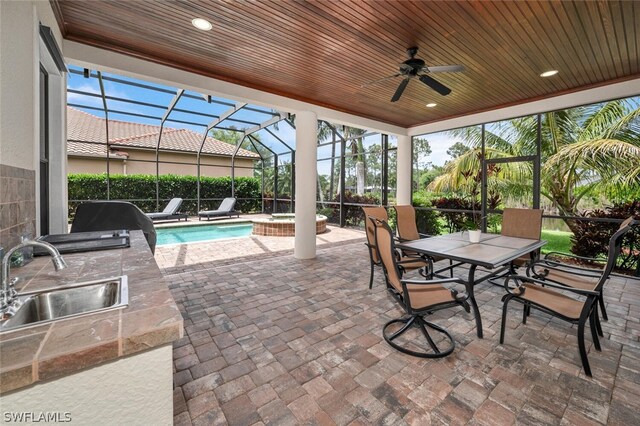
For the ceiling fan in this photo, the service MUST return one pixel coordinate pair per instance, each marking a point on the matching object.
(414, 67)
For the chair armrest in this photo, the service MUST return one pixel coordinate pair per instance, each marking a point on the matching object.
(574, 256)
(424, 235)
(433, 282)
(563, 267)
(546, 284)
(413, 259)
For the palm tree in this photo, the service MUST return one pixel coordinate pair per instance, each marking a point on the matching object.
(584, 151)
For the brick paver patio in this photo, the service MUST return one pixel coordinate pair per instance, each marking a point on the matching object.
(274, 340)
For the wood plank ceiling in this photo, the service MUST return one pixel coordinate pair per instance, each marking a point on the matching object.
(323, 51)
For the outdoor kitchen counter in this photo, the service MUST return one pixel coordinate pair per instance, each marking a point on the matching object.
(63, 347)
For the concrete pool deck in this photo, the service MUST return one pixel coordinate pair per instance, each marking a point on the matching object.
(208, 254)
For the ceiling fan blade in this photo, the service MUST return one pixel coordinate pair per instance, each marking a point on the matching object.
(400, 89)
(444, 68)
(435, 85)
(380, 80)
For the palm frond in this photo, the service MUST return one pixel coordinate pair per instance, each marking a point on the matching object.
(607, 157)
(598, 123)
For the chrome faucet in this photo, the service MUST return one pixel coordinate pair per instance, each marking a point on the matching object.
(8, 290)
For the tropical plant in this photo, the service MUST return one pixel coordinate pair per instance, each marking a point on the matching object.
(584, 151)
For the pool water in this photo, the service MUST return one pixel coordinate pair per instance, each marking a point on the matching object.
(193, 233)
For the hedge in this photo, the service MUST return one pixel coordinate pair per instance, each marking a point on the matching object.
(141, 191)
(591, 239)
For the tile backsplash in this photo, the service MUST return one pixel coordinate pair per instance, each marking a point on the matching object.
(17, 204)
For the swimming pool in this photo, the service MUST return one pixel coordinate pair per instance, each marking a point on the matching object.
(194, 233)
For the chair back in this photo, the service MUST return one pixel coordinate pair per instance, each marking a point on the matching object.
(626, 223)
(522, 223)
(406, 222)
(615, 245)
(386, 249)
(377, 212)
(173, 206)
(227, 204)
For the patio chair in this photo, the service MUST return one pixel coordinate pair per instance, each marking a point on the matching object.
(226, 208)
(407, 229)
(520, 223)
(109, 215)
(408, 263)
(170, 212)
(418, 298)
(562, 272)
(535, 290)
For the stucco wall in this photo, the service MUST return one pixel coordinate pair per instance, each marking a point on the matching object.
(18, 77)
(136, 390)
(92, 165)
(20, 53)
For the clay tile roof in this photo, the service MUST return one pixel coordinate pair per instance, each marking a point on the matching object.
(84, 127)
(87, 149)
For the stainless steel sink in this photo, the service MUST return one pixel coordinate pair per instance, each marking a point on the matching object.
(72, 300)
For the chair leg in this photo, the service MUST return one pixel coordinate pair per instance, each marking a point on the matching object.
(582, 347)
(594, 332)
(416, 320)
(451, 268)
(505, 302)
(597, 321)
(602, 308)
(371, 278)
(425, 333)
(524, 313)
(403, 328)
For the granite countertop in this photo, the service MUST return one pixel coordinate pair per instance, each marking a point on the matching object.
(63, 347)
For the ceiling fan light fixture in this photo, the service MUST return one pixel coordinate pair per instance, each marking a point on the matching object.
(549, 73)
(431, 104)
(201, 24)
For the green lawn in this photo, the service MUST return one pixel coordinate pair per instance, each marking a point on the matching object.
(556, 241)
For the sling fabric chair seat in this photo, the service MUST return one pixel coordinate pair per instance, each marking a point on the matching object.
(407, 263)
(226, 208)
(170, 211)
(418, 298)
(520, 223)
(535, 290)
(407, 229)
(566, 273)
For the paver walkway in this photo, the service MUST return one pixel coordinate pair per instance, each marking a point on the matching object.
(274, 340)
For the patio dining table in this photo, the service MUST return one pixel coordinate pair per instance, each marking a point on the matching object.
(493, 252)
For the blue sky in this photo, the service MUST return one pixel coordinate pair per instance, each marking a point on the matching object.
(127, 92)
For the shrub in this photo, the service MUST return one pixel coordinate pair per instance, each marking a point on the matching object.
(455, 221)
(591, 239)
(141, 191)
(427, 220)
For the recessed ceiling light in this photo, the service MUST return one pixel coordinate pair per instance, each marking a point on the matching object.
(431, 105)
(202, 24)
(549, 73)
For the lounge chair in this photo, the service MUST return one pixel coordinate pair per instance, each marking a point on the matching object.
(225, 209)
(170, 212)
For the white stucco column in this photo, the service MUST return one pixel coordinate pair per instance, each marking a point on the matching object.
(306, 170)
(403, 193)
